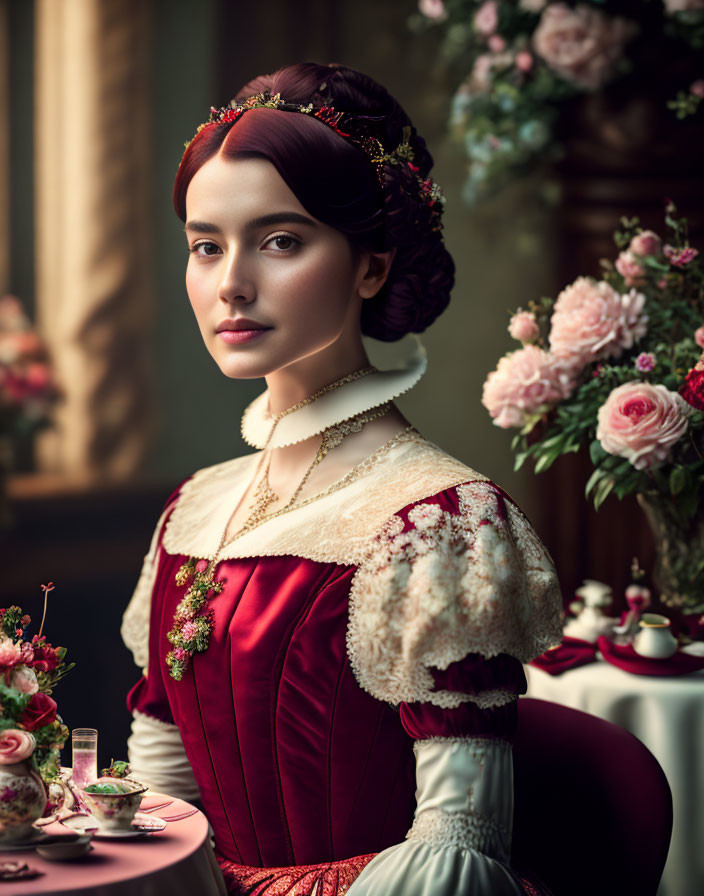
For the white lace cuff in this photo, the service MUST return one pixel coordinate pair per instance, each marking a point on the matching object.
(460, 840)
(157, 758)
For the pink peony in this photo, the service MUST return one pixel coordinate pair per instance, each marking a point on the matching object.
(524, 327)
(630, 269)
(15, 745)
(641, 423)
(433, 9)
(10, 654)
(699, 337)
(527, 381)
(23, 679)
(645, 362)
(486, 18)
(582, 44)
(591, 320)
(645, 243)
(524, 61)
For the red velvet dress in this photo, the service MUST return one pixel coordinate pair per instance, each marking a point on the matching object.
(296, 763)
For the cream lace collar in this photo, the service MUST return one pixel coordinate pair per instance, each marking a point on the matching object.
(340, 404)
(334, 528)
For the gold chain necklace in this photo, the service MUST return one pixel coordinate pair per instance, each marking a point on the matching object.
(193, 623)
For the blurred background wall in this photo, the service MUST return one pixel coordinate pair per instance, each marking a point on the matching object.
(101, 96)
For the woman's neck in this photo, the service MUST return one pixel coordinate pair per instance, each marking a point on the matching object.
(298, 381)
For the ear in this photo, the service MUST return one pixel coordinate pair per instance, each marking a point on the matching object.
(375, 270)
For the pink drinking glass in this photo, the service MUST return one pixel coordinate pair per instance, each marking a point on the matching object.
(85, 756)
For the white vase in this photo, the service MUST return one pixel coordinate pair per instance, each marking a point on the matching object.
(655, 640)
(22, 801)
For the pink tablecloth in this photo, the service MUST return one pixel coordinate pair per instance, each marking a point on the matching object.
(178, 860)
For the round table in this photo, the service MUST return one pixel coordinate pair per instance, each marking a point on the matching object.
(666, 713)
(178, 860)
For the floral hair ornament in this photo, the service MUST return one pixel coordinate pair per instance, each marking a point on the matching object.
(355, 129)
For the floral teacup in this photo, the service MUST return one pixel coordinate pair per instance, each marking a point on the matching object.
(113, 802)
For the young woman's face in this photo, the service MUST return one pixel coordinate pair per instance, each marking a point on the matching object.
(269, 284)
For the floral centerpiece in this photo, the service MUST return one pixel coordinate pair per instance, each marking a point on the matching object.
(32, 734)
(616, 365)
(519, 62)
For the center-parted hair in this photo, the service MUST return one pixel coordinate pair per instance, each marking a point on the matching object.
(336, 183)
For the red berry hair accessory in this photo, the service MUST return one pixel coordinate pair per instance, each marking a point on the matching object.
(355, 129)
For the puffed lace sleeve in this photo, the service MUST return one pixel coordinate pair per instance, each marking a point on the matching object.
(454, 593)
(154, 748)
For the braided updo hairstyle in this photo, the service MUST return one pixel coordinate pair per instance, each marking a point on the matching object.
(337, 183)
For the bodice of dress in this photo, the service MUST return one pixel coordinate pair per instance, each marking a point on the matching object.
(338, 640)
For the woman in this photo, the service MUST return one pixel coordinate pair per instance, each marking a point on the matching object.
(339, 618)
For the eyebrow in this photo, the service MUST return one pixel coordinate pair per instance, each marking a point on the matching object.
(254, 223)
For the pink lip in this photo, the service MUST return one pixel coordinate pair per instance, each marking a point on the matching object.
(236, 336)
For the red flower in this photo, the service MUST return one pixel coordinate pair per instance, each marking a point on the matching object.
(680, 257)
(46, 657)
(692, 389)
(40, 711)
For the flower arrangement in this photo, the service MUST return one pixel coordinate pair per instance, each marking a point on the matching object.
(519, 61)
(616, 365)
(27, 390)
(29, 670)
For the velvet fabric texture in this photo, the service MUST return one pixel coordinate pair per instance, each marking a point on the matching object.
(296, 764)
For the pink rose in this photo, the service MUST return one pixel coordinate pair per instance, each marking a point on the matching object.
(524, 61)
(697, 87)
(591, 320)
(630, 269)
(527, 381)
(496, 43)
(645, 362)
(486, 18)
(699, 337)
(524, 327)
(645, 243)
(24, 679)
(582, 44)
(15, 745)
(641, 423)
(433, 9)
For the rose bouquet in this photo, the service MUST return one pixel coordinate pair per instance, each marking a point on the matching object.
(518, 62)
(27, 390)
(30, 728)
(616, 365)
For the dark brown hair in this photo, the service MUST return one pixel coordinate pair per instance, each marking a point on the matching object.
(336, 183)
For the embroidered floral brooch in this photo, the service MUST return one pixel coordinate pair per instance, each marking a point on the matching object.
(192, 624)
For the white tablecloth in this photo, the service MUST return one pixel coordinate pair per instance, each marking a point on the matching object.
(667, 715)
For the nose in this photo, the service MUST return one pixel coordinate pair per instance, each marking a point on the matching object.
(237, 282)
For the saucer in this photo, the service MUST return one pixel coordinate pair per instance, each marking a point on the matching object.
(141, 824)
(29, 843)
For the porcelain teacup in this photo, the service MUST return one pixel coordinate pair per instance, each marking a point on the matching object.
(113, 802)
(655, 640)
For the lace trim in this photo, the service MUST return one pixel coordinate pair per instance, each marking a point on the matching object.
(334, 528)
(455, 829)
(478, 581)
(499, 742)
(135, 620)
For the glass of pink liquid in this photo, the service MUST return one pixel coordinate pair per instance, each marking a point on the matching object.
(84, 742)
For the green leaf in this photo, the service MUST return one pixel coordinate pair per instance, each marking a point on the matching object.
(678, 480)
(603, 491)
(592, 481)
